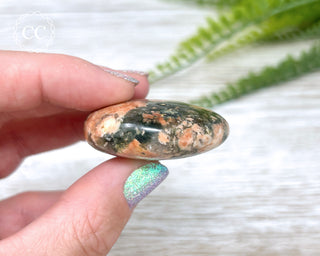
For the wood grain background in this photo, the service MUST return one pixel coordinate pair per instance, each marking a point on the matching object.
(257, 194)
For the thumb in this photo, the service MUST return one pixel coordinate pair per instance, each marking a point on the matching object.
(91, 214)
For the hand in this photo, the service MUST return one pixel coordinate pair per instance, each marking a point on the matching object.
(44, 100)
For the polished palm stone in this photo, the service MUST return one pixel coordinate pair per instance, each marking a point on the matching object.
(154, 130)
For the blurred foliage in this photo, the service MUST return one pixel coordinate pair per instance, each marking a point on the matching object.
(286, 70)
(244, 22)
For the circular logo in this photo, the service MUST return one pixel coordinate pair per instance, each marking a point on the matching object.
(34, 32)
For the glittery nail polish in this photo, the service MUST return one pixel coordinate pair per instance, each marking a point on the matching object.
(142, 181)
(121, 75)
(141, 73)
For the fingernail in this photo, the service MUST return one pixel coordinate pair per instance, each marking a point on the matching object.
(142, 73)
(120, 75)
(142, 181)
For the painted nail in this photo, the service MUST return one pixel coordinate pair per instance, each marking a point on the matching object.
(120, 75)
(142, 181)
(142, 73)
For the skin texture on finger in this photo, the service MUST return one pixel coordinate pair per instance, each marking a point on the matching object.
(21, 138)
(47, 109)
(18, 211)
(87, 220)
(34, 85)
(28, 136)
(29, 79)
(44, 109)
(142, 89)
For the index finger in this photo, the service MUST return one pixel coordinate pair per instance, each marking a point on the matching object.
(28, 80)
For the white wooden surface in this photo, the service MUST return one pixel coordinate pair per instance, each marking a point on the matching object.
(258, 194)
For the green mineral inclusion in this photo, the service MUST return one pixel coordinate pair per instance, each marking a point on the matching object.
(133, 123)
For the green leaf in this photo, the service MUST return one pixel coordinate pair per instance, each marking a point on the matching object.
(288, 69)
(248, 21)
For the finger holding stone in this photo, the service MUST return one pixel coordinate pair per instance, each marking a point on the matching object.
(20, 210)
(22, 138)
(29, 79)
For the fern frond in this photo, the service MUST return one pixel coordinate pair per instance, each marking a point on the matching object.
(310, 32)
(252, 35)
(286, 70)
(282, 24)
(243, 16)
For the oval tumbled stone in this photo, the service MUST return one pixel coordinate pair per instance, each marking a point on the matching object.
(155, 130)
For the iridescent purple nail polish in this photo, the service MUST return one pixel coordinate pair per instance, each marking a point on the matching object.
(142, 181)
